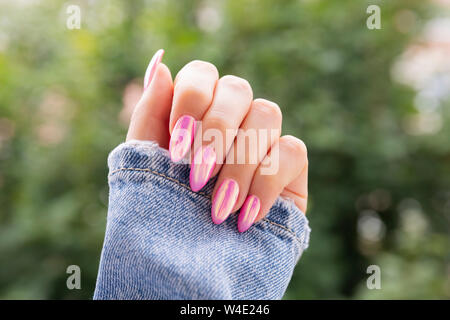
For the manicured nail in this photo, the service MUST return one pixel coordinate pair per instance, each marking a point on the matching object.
(182, 137)
(248, 213)
(202, 167)
(151, 69)
(224, 200)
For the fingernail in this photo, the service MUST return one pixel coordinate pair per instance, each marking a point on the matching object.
(182, 137)
(224, 200)
(248, 213)
(202, 167)
(151, 69)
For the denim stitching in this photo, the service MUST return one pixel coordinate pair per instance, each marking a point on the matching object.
(159, 174)
(302, 243)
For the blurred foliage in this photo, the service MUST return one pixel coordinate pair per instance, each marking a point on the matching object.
(378, 195)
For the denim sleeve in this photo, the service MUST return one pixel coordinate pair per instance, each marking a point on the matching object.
(160, 242)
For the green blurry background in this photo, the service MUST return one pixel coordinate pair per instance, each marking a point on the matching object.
(371, 105)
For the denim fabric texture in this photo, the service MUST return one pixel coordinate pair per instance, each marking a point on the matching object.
(160, 242)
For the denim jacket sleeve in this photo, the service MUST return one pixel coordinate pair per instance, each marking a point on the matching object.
(160, 242)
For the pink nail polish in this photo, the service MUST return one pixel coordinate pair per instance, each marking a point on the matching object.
(248, 213)
(224, 200)
(151, 69)
(182, 137)
(202, 167)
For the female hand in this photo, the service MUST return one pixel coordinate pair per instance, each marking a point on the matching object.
(250, 175)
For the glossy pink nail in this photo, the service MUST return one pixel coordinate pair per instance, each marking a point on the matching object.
(248, 213)
(182, 137)
(224, 200)
(151, 69)
(202, 167)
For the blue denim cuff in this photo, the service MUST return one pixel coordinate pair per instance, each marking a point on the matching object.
(160, 242)
(284, 218)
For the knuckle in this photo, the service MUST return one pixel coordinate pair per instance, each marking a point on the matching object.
(237, 83)
(294, 145)
(268, 109)
(203, 66)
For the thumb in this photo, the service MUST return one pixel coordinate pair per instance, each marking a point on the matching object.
(150, 118)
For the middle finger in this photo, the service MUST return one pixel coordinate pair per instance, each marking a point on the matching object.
(231, 102)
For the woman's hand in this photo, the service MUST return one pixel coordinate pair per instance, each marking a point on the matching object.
(255, 165)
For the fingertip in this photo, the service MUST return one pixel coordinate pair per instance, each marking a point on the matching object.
(150, 117)
(161, 82)
(163, 71)
(152, 66)
(159, 93)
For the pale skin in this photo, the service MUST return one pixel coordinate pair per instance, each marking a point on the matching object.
(222, 103)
